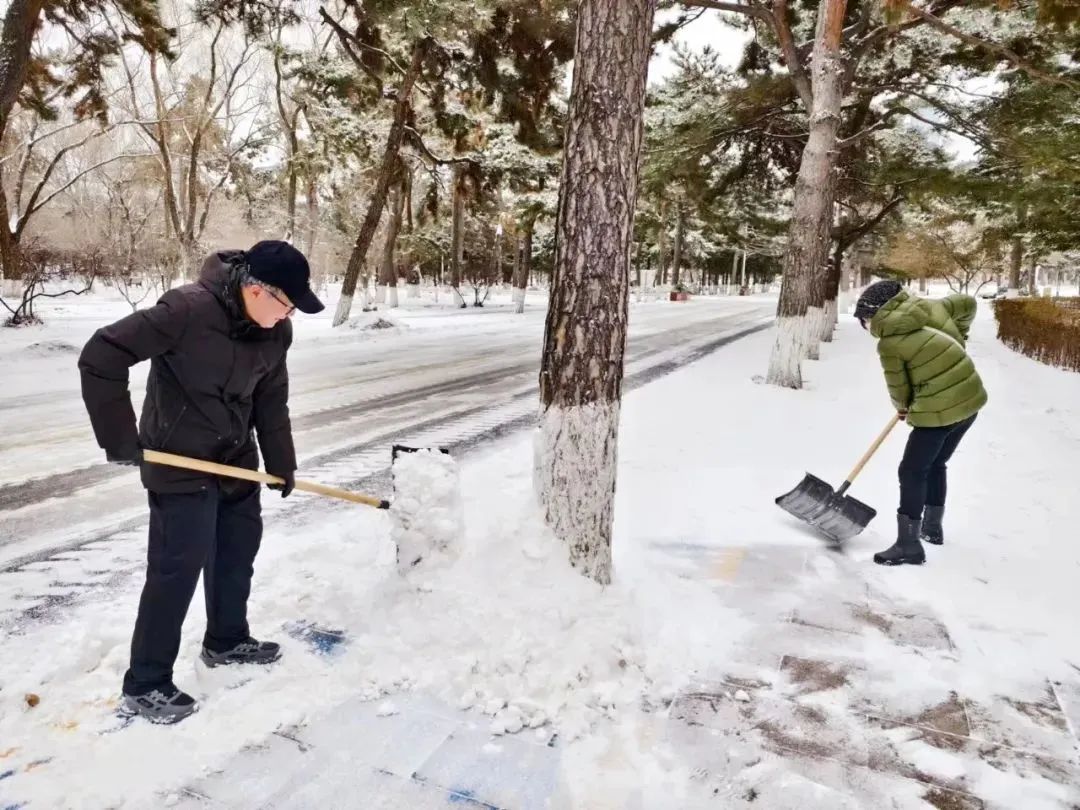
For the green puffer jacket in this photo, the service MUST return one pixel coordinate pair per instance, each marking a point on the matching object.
(929, 375)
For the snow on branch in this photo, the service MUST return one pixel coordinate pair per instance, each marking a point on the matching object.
(1010, 56)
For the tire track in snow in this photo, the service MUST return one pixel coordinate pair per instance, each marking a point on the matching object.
(363, 465)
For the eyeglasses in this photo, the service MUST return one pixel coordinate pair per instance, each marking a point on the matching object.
(289, 308)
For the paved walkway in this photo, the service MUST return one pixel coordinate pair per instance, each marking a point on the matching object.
(840, 697)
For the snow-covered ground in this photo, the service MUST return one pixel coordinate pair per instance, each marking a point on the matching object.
(353, 392)
(737, 661)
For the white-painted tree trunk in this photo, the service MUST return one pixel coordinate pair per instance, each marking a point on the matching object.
(380, 293)
(805, 268)
(344, 307)
(575, 457)
(815, 317)
(581, 366)
(830, 321)
(392, 297)
(785, 362)
(519, 300)
(412, 291)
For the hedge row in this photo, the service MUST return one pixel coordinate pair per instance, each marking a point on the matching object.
(1043, 328)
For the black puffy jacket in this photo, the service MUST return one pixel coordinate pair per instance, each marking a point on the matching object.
(215, 379)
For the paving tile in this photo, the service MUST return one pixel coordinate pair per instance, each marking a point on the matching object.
(506, 772)
(1033, 722)
(397, 744)
(344, 785)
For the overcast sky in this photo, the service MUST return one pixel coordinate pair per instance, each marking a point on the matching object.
(709, 29)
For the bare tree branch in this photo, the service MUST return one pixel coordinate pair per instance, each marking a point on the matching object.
(32, 205)
(71, 182)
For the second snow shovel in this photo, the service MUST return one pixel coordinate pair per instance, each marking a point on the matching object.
(198, 465)
(834, 514)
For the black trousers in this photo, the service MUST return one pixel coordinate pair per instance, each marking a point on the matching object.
(923, 469)
(214, 532)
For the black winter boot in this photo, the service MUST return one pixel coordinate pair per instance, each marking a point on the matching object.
(907, 549)
(931, 525)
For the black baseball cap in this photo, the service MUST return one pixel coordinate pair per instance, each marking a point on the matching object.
(281, 265)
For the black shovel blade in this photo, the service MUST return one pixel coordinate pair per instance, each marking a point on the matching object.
(838, 517)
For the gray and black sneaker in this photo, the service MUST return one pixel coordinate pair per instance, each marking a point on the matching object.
(164, 705)
(248, 651)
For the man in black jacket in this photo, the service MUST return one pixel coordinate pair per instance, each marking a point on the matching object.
(217, 377)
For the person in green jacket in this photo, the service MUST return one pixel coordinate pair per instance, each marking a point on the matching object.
(934, 386)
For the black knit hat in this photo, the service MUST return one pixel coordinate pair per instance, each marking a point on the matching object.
(875, 297)
(281, 265)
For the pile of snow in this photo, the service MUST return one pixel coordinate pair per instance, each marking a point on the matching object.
(504, 628)
(50, 348)
(427, 513)
(375, 321)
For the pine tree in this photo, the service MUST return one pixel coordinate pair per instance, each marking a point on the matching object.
(585, 334)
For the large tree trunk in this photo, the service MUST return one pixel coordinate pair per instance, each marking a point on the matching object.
(585, 335)
(312, 213)
(661, 246)
(457, 240)
(521, 273)
(388, 276)
(382, 184)
(800, 311)
(16, 41)
(832, 292)
(1016, 263)
(289, 124)
(676, 259)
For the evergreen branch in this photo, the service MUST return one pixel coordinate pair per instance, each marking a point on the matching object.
(883, 32)
(884, 123)
(416, 140)
(346, 39)
(848, 238)
(962, 127)
(1005, 53)
(750, 9)
(795, 66)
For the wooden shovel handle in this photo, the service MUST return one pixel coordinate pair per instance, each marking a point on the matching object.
(213, 468)
(873, 449)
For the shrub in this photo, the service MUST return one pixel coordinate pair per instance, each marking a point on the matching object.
(1045, 329)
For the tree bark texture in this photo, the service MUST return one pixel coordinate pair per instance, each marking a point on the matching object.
(585, 333)
(802, 299)
(388, 276)
(523, 266)
(382, 184)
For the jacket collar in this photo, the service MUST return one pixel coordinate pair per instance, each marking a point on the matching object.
(220, 275)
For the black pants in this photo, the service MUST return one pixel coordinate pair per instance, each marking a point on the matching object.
(923, 470)
(215, 532)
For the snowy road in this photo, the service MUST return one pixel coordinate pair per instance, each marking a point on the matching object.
(439, 377)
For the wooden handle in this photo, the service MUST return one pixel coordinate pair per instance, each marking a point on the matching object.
(213, 468)
(873, 449)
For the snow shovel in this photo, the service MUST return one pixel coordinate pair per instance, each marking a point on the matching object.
(834, 514)
(185, 463)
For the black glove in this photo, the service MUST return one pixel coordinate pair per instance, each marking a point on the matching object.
(286, 488)
(132, 457)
